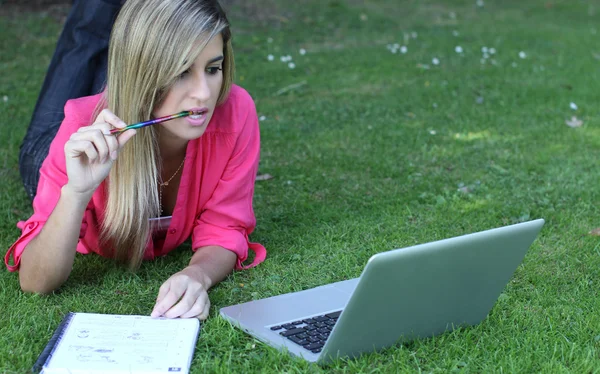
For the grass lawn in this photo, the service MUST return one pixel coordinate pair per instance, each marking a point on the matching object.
(372, 149)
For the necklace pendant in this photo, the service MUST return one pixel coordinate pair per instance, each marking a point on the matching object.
(165, 183)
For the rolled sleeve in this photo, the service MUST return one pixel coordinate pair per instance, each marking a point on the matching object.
(53, 177)
(228, 218)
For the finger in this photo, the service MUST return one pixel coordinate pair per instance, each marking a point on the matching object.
(96, 136)
(163, 290)
(205, 312)
(197, 307)
(186, 303)
(124, 137)
(111, 140)
(77, 148)
(170, 299)
(109, 117)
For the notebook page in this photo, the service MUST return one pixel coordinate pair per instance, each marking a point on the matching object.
(94, 343)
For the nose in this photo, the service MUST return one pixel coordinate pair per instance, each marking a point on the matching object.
(200, 89)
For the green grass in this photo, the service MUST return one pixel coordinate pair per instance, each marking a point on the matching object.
(369, 151)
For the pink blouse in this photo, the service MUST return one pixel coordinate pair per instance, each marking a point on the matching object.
(214, 202)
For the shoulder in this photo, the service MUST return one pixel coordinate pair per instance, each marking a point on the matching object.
(234, 113)
(80, 111)
(239, 98)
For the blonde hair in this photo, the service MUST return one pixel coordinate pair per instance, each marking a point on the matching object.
(151, 44)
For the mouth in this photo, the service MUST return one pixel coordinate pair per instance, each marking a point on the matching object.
(197, 113)
(197, 116)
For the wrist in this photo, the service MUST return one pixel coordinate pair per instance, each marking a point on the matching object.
(196, 271)
(72, 195)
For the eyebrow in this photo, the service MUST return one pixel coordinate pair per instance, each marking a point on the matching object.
(218, 58)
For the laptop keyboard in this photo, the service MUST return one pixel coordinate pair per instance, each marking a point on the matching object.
(310, 333)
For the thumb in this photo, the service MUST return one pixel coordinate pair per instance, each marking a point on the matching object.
(124, 137)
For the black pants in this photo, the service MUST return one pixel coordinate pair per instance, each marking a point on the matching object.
(77, 68)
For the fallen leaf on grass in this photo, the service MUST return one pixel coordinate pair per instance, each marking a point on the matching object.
(574, 122)
(595, 232)
(264, 177)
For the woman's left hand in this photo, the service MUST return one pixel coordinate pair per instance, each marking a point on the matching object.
(183, 295)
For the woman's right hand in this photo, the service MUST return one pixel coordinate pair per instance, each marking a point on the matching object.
(91, 151)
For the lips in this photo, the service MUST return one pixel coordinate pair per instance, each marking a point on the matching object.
(199, 116)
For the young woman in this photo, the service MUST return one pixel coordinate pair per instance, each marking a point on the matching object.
(142, 193)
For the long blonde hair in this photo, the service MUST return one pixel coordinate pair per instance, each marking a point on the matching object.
(151, 44)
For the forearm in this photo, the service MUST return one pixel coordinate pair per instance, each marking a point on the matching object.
(48, 259)
(214, 263)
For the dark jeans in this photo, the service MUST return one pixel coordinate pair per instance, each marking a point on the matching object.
(77, 68)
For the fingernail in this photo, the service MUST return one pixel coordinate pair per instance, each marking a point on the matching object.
(113, 155)
(106, 132)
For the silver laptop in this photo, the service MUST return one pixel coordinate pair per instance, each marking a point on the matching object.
(401, 295)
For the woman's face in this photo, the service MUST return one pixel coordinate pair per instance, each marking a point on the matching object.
(196, 89)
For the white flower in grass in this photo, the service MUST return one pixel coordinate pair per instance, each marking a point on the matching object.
(479, 3)
(492, 51)
(574, 122)
(270, 57)
(573, 106)
(455, 33)
(269, 40)
(458, 49)
(262, 118)
(403, 49)
(435, 61)
(486, 56)
(452, 15)
(291, 65)
(5, 98)
(522, 55)
(484, 49)
(414, 34)
(302, 51)
(432, 132)
(435, 105)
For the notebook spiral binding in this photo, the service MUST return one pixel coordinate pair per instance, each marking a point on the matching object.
(46, 354)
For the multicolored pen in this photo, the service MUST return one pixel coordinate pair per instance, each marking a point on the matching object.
(154, 121)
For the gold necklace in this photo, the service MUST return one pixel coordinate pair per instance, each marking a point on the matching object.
(163, 184)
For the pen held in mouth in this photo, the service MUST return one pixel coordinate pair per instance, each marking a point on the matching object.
(155, 121)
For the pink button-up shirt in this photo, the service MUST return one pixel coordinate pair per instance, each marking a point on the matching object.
(214, 202)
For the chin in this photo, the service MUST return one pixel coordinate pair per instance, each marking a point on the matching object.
(194, 133)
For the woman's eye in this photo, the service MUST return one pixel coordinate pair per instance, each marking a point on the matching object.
(213, 70)
(184, 74)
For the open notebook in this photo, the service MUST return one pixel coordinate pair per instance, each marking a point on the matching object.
(108, 343)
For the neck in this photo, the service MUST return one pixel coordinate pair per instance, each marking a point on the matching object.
(171, 148)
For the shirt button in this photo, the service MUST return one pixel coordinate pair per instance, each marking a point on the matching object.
(172, 231)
